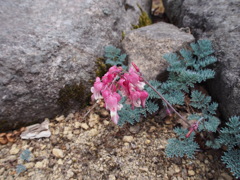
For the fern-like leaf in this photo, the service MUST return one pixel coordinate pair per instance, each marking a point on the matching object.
(178, 147)
(232, 160)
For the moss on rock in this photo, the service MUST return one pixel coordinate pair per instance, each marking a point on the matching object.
(144, 19)
(73, 96)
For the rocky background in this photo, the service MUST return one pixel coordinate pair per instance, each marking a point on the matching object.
(49, 50)
(219, 22)
(46, 45)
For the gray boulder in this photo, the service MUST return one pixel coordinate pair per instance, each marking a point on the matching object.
(146, 46)
(46, 45)
(219, 22)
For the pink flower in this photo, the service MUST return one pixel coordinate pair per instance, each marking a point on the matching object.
(96, 89)
(111, 74)
(134, 99)
(130, 84)
(143, 98)
(112, 103)
(134, 78)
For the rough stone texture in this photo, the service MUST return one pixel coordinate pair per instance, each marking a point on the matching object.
(146, 46)
(218, 21)
(45, 45)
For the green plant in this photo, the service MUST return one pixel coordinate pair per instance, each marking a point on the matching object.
(72, 95)
(181, 146)
(144, 19)
(114, 56)
(230, 136)
(186, 69)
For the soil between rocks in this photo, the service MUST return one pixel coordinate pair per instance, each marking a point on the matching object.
(94, 148)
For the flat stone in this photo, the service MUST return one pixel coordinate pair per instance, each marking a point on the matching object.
(128, 138)
(2, 170)
(93, 132)
(225, 176)
(70, 136)
(70, 174)
(42, 164)
(143, 169)
(29, 165)
(93, 119)
(111, 177)
(176, 169)
(191, 172)
(77, 125)
(158, 39)
(58, 153)
(60, 162)
(76, 132)
(104, 113)
(105, 122)
(84, 126)
(147, 141)
(60, 118)
(134, 129)
(14, 150)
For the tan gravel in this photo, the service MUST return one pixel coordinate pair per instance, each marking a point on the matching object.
(95, 148)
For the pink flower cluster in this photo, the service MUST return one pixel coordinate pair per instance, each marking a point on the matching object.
(130, 84)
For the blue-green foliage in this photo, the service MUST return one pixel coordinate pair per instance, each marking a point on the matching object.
(25, 155)
(208, 110)
(114, 57)
(230, 137)
(20, 168)
(131, 116)
(185, 70)
(181, 146)
(232, 159)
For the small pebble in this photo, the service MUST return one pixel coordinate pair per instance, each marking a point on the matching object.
(58, 153)
(191, 172)
(93, 132)
(14, 150)
(134, 129)
(84, 126)
(77, 125)
(60, 118)
(147, 141)
(128, 138)
(111, 177)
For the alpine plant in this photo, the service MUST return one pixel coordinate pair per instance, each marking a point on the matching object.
(117, 83)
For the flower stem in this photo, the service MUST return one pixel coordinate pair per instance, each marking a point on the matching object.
(161, 96)
(85, 115)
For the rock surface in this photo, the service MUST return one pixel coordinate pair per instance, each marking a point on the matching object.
(45, 45)
(146, 46)
(218, 21)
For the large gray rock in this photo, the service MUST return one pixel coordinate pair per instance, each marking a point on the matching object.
(146, 47)
(218, 21)
(45, 45)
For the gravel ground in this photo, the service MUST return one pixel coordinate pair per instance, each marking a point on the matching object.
(95, 148)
